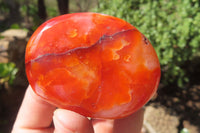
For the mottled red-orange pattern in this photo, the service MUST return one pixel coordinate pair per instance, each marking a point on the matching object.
(97, 65)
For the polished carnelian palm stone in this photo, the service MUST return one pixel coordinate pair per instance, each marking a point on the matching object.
(97, 65)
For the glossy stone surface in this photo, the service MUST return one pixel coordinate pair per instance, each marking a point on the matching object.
(97, 65)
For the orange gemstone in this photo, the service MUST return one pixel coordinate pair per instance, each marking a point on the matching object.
(94, 64)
